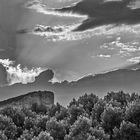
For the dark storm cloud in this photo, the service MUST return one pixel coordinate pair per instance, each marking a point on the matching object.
(104, 12)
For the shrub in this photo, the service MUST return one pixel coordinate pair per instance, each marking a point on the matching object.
(132, 113)
(80, 129)
(56, 129)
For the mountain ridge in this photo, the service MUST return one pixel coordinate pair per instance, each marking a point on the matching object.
(40, 97)
(127, 80)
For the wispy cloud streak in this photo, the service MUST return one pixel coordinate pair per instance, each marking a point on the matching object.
(64, 33)
(88, 11)
(134, 59)
(101, 12)
(39, 7)
(122, 48)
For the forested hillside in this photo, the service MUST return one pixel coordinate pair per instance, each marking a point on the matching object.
(114, 117)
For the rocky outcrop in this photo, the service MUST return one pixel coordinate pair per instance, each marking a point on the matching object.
(39, 97)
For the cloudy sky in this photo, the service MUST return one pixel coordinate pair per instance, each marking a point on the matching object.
(74, 38)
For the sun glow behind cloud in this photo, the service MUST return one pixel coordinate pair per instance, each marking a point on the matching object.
(16, 74)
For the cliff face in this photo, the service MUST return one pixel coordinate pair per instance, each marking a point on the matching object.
(40, 97)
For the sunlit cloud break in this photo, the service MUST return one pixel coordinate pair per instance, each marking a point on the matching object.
(123, 48)
(65, 32)
(104, 55)
(134, 60)
(15, 74)
(56, 33)
(41, 8)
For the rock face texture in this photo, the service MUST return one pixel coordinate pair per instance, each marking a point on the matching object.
(38, 97)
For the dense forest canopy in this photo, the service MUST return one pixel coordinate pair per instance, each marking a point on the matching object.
(116, 116)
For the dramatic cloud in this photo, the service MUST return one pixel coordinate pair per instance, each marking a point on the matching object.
(58, 33)
(105, 12)
(123, 49)
(64, 33)
(16, 74)
(134, 60)
(59, 48)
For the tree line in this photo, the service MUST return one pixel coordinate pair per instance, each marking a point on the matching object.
(113, 117)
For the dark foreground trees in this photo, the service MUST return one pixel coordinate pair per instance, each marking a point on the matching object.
(114, 117)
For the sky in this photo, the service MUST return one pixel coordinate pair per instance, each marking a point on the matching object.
(74, 38)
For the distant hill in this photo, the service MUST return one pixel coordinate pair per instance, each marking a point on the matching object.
(133, 66)
(40, 97)
(124, 79)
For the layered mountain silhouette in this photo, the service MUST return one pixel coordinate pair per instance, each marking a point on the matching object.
(126, 79)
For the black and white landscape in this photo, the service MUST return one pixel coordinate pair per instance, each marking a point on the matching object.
(52, 51)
